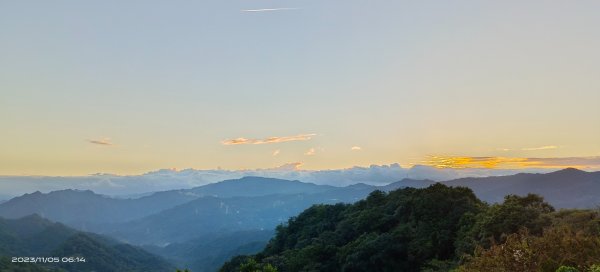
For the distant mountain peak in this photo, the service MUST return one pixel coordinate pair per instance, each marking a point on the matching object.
(259, 178)
(73, 192)
(417, 180)
(570, 170)
(359, 185)
(573, 169)
(255, 177)
(256, 186)
(34, 217)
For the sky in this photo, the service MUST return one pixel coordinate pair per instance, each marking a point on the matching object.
(127, 87)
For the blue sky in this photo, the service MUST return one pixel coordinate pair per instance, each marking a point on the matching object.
(127, 87)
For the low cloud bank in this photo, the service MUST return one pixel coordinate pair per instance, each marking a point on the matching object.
(166, 179)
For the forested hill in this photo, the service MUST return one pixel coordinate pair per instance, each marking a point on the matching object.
(568, 188)
(33, 236)
(438, 228)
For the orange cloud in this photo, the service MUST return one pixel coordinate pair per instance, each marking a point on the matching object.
(270, 140)
(540, 148)
(310, 152)
(460, 162)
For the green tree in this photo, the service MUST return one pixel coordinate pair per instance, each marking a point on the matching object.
(252, 266)
(567, 269)
(515, 213)
(403, 230)
(594, 268)
(558, 246)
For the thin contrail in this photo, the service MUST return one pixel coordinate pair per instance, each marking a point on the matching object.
(267, 9)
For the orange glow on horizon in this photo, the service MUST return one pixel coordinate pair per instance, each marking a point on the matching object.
(462, 162)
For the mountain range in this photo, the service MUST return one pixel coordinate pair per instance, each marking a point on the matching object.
(33, 236)
(236, 204)
(172, 179)
(87, 210)
(567, 188)
(171, 223)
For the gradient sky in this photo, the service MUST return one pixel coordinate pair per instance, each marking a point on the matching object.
(130, 86)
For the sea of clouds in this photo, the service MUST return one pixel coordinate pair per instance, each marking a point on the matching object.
(168, 179)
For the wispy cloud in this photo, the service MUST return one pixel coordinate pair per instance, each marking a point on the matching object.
(546, 147)
(104, 141)
(276, 152)
(270, 140)
(310, 152)
(460, 162)
(292, 166)
(356, 148)
(268, 9)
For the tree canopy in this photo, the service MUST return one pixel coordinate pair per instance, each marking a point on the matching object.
(438, 228)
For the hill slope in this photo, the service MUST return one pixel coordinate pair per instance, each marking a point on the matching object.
(399, 231)
(37, 237)
(257, 186)
(86, 210)
(208, 215)
(209, 252)
(437, 228)
(567, 188)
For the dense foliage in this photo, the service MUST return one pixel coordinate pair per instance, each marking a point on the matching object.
(404, 230)
(438, 228)
(570, 241)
